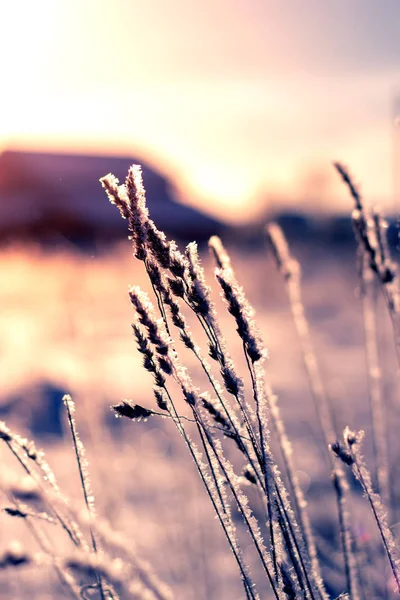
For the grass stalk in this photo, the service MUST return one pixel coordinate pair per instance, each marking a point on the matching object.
(341, 488)
(84, 478)
(351, 456)
(379, 436)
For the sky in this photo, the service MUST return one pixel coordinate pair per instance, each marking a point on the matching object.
(243, 103)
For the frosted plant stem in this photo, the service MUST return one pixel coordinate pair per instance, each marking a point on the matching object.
(44, 544)
(375, 388)
(290, 522)
(341, 488)
(245, 511)
(161, 307)
(351, 456)
(82, 467)
(228, 528)
(232, 419)
(248, 585)
(264, 462)
(212, 336)
(212, 470)
(230, 414)
(116, 541)
(391, 300)
(254, 352)
(208, 327)
(64, 524)
(296, 491)
(264, 484)
(374, 501)
(290, 270)
(291, 550)
(370, 231)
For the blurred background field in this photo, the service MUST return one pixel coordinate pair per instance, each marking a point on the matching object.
(235, 111)
(65, 325)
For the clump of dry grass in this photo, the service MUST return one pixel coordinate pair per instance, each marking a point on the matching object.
(231, 410)
(82, 568)
(283, 550)
(229, 423)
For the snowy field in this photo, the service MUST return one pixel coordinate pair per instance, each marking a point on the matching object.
(65, 327)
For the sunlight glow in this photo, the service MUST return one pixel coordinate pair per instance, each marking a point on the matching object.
(234, 110)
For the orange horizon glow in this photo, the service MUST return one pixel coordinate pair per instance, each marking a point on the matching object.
(240, 121)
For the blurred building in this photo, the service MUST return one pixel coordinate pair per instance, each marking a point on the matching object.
(51, 197)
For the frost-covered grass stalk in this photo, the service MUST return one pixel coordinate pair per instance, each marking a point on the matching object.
(341, 489)
(83, 468)
(377, 407)
(38, 501)
(374, 258)
(375, 265)
(350, 454)
(288, 554)
(43, 488)
(370, 229)
(290, 270)
(234, 410)
(230, 423)
(30, 457)
(265, 401)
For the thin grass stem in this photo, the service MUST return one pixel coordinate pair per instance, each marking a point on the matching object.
(83, 474)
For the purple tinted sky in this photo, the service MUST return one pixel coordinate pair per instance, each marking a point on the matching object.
(245, 102)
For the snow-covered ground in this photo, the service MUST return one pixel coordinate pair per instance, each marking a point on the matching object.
(65, 327)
